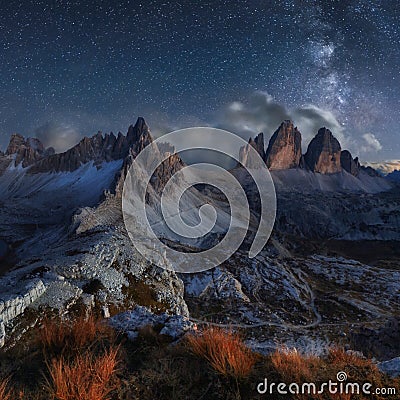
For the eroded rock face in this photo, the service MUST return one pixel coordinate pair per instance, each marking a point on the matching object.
(130, 322)
(139, 139)
(12, 306)
(323, 153)
(349, 164)
(284, 148)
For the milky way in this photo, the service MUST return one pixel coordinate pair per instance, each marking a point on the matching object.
(76, 67)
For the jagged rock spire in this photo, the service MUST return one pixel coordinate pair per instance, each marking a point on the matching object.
(323, 153)
(284, 148)
(349, 164)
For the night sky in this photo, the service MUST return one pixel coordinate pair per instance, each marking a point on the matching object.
(71, 68)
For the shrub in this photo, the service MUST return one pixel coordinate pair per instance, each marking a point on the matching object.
(225, 352)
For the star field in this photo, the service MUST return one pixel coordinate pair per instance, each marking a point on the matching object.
(82, 66)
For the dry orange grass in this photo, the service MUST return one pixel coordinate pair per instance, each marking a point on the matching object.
(339, 357)
(358, 368)
(225, 351)
(4, 392)
(58, 336)
(293, 366)
(86, 377)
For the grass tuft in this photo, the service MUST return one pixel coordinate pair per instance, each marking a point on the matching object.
(5, 394)
(60, 337)
(225, 352)
(87, 377)
(292, 366)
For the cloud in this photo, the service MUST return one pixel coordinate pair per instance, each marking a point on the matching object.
(262, 113)
(60, 136)
(386, 167)
(371, 143)
(310, 118)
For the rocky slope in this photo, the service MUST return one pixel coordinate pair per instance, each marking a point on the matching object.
(61, 219)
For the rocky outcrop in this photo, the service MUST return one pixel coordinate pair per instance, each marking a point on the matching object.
(131, 322)
(245, 156)
(138, 138)
(390, 367)
(284, 148)
(16, 305)
(384, 342)
(349, 164)
(27, 151)
(258, 144)
(5, 161)
(323, 153)
(165, 171)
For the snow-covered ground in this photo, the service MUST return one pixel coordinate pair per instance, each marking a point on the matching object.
(29, 201)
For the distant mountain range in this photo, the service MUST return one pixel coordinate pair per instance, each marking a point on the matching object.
(324, 154)
(394, 176)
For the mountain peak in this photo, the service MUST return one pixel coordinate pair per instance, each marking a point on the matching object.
(27, 151)
(323, 153)
(349, 164)
(139, 135)
(284, 148)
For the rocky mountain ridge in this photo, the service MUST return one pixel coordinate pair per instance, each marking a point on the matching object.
(324, 154)
(97, 148)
